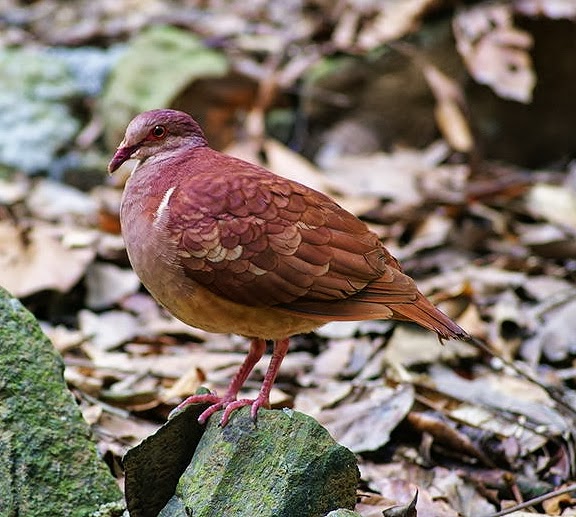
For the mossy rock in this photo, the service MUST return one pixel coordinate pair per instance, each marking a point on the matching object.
(49, 464)
(158, 64)
(284, 465)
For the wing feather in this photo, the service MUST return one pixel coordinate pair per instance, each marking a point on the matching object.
(256, 238)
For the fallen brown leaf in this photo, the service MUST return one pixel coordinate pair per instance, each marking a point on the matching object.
(37, 259)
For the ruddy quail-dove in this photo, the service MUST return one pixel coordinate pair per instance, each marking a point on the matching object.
(230, 247)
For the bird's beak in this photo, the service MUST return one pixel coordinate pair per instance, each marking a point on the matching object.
(122, 154)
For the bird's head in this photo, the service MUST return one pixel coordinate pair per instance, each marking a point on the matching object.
(155, 132)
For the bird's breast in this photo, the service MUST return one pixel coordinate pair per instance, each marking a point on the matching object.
(153, 252)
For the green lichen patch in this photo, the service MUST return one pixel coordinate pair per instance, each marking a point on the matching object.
(48, 462)
(285, 465)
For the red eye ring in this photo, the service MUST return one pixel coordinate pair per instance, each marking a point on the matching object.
(158, 132)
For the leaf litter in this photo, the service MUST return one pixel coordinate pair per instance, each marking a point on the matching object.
(492, 245)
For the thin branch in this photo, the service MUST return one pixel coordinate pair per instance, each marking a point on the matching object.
(534, 501)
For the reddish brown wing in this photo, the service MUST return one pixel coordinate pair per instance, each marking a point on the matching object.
(258, 239)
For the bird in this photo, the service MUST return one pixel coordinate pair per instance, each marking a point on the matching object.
(228, 246)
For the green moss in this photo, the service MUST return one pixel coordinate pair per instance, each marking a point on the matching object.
(157, 65)
(34, 91)
(48, 462)
(286, 465)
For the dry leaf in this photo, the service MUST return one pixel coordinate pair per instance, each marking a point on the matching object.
(495, 52)
(38, 259)
(86, 383)
(410, 345)
(556, 338)
(127, 430)
(386, 176)
(51, 200)
(445, 433)
(347, 137)
(62, 337)
(137, 392)
(554, 9)
(508, 322)
(371, 505)
(405, 510)
(557, 505)
(393, 20)
(366, 425)
(166, 365)
(461, 496)
(156, 321)
(501, 392)
(339, 329)
(481, 280)
(184, 386)
(14, 190)
(312, 400)
(398, 482)
(527, 441)
(547, 240)
(433, 232)
(92, 413)
(333, 360)
(107, 330)
(542, 287)
(107, 284)
(554, 203)
(346, 28)
(282, 161)
(450, 117)
(393, 176)
(453, 125)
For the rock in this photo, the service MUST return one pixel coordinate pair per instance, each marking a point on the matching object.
(154, 467)
(89, 66)
(48, 462)
(285, 465)
(343, 513)
(33, 93)
(157, 65)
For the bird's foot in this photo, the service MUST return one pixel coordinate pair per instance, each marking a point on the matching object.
(227, 403)
(232, 405)
(256, 404)
(207, 398)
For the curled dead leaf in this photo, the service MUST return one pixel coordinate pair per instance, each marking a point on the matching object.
(554, 9)
(366, 425)
(37, 259)
(495, 52)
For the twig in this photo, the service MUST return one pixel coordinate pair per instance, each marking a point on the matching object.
(553, 394)
(534, 501)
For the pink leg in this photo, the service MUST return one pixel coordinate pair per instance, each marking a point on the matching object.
(263, 399)
(257, 348)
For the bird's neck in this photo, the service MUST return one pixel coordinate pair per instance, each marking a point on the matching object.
(155, 175)
(174, 155)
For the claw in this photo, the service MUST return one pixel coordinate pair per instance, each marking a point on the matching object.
(208, 412)
(256, 404)
(209, 398)
(218, 403)
(233, 406)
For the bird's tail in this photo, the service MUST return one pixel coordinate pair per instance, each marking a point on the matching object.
(422, 312)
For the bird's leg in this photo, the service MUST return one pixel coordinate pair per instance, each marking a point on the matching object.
(257, 348)
(263, 398)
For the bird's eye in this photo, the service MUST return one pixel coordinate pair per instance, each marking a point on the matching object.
(158, 131)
